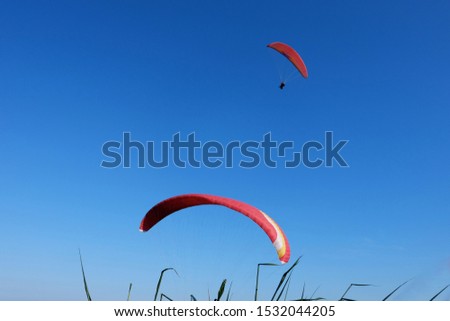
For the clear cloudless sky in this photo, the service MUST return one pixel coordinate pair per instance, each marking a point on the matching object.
(76, 74)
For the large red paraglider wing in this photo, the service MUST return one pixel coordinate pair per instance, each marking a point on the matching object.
(176, 203)
(292, 55)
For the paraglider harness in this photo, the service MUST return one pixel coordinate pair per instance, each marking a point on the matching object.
(282, 85)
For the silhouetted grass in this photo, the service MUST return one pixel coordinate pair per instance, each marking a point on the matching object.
(221, 290)
(160, 280)
(282, 287)
(282, 283)
(343, 298)
(86, 290)
(129, 292)
(395, 290)
(257, 276)
(434, 297)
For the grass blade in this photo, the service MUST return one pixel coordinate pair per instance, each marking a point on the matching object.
(387, 297)
(303, 298)
(221, 290)
(160, 279)
(287, 290)
(432, 299)
(257, 276)
(348, 289)
(282, 280)
(129, 292)
(86, 290)
(311, 298)
(165, 297)
(284, 286)
(229, 291)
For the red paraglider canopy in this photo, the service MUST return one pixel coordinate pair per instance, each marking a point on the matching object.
(176, 203)
(292, 55)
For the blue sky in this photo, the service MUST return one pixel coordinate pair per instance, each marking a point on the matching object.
(75, 74)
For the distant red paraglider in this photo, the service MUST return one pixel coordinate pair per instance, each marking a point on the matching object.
(176, 203)
(292, 56)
